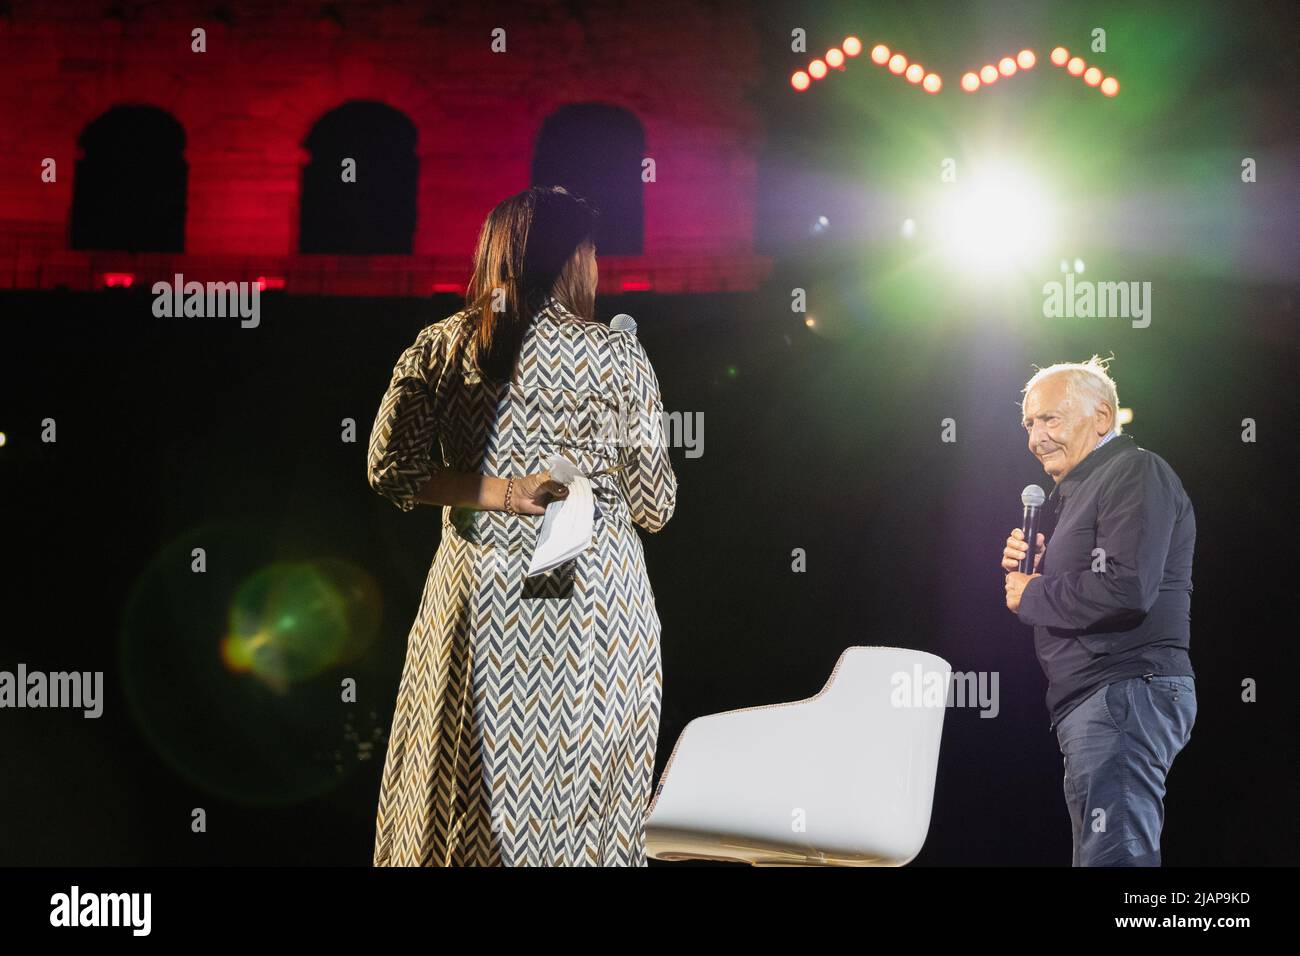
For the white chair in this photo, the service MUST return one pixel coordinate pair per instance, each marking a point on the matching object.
(843, 778)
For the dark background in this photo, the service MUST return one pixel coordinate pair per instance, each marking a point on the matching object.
(172, 432)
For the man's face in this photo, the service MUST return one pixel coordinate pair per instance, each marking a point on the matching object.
(1059, 436)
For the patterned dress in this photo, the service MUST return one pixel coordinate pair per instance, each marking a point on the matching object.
(528, 709)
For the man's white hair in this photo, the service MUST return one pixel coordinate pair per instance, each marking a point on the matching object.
(1087, 384)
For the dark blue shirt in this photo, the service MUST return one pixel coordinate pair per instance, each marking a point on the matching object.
(1123, 611)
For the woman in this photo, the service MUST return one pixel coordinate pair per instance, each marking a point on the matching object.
(528, 709)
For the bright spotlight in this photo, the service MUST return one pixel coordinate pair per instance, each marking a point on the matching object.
(970, 82)
(879, 54)
(1025, 59)
(997, 220)
(852, 46)
(988, 74)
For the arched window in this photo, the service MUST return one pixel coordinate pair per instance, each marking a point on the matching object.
(376, 213)
(595, 151)
(129, 188)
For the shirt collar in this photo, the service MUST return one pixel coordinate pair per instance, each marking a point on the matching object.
(1103, 451)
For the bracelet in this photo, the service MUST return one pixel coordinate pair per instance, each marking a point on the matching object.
(510, 487)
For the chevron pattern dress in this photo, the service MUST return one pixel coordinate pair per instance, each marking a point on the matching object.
(528, 709)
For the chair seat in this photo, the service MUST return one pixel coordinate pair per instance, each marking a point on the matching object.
(843, 778)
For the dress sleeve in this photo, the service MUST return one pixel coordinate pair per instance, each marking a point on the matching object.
(402, 456)
(648, 481)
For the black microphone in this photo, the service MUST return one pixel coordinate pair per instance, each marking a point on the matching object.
(1032, 498)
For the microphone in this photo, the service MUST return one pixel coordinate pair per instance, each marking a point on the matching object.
(623, 323)
(1032, 498)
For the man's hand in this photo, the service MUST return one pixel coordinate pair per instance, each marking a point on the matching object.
(1017, 548)
(1015, 586)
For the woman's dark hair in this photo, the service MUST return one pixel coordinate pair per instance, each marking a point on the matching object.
(524, 254)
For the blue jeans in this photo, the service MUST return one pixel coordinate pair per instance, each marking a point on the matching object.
(1118, 746)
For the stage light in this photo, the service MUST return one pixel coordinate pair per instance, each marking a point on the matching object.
(1006, 66)
(1078, 266)
(1125, 417)
(879, 54)
(816, 69)
(810, 322)
(800, 81)
(970, 82)
(996, 220)
(269, 282)
(897, 63)
(915, 73)
(852, 46)
(1065, 265)
(1075, 66)
(1026, 59)
(908, 229)
(1110, 86)
(1060, 55)
(1092, 76)
(119, 280)
(2, 439)
(988, 74)
(835, 57)
(932, 83)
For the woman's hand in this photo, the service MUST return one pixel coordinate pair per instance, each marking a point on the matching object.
(532, 493)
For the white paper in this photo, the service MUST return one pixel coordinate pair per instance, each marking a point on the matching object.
(567, 524)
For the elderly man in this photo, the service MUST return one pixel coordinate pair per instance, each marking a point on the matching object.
(1110, 604)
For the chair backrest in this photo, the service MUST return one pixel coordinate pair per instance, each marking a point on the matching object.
(844, 776)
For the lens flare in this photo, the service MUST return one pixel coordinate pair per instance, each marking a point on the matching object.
(997, 220)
